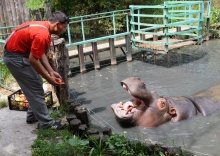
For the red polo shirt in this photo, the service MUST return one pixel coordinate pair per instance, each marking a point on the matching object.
(34, 39)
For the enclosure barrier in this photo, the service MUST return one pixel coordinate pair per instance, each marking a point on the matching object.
(84, 24)
(179, 23)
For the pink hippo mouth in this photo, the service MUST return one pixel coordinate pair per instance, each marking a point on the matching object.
(124, 111)
(129, 111)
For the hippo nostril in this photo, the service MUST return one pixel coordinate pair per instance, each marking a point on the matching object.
(125, 86)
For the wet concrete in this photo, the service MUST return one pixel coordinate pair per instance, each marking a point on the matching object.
(181, 73)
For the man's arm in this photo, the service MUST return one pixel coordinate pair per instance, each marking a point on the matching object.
(37, 65)
(46, 63)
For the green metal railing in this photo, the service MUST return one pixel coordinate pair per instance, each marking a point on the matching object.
(4, 32)
(171, 14)
(81, 22)
(174, 14)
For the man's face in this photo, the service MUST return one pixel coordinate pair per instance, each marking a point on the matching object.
(60, 28)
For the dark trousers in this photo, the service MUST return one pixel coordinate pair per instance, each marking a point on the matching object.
(31, 84)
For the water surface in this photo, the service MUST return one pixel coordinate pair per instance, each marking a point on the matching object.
(183, 72)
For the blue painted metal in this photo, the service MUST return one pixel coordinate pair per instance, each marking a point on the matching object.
(175, 14)
(97, 17)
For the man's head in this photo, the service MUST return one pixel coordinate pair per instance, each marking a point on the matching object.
(58, 23)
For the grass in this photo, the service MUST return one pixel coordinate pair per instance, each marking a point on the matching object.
(58, 143)
(3, 103)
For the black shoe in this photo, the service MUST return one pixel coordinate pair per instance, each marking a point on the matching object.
(31, 121)
(58, 126)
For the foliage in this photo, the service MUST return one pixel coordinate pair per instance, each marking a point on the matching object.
(5, 75)
(3, 103)
(215, 22)
(56, 143)
(35, 4)
(97, 28)
(52, 143)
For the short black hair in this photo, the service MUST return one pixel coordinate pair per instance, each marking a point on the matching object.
(60, 17)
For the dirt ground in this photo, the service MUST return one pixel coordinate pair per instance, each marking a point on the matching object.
(16, 136)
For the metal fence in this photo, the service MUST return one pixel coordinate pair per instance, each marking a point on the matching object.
(84, 25)
(171, 14)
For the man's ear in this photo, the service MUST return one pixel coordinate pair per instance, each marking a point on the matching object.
(55, 26)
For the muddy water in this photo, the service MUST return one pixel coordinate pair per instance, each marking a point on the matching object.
(181, 73)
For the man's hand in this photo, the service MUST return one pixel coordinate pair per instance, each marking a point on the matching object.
(58, 78)
(45, 70)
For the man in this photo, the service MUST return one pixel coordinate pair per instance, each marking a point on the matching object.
(24, 56)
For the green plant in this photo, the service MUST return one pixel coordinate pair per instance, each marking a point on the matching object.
(99, 148)
(56, 113)
(3, 103)
(35, 4)
(52, 143)
(5, 76)
(80, 146)
(118, 144)
(57, 143)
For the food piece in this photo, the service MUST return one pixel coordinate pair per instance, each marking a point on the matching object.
(129, 109)
(60, 81)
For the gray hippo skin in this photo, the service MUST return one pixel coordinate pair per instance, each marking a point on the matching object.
(148, 109)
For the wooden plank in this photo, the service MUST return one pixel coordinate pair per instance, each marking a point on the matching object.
(81, 59)
(95, 56)
(207, 29)
(128, 48)
(112, 51)
(100, 48)
(155, 37)
(173, 46)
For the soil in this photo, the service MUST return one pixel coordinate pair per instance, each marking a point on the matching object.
(16, 136)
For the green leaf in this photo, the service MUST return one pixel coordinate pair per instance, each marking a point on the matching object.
(35, 4)
(161, 154)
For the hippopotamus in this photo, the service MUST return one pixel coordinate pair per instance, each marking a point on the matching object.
(148, 109)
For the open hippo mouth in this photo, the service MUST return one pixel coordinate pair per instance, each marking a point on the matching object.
(128, 110)
(124, 111)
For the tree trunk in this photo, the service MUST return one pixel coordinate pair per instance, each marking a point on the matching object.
(59, 60)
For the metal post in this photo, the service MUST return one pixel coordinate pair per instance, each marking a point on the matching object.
(82, 26)
(165, 21)
(139, 20)
(69, 34)
(208, 20)
(113, 19)
(200, 25)
(190, 15)
(132, 25)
